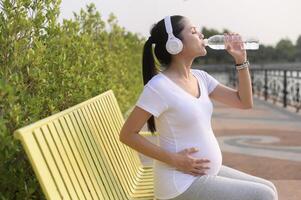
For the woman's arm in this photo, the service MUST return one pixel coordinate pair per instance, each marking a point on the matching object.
(130, 136)
(243, 97)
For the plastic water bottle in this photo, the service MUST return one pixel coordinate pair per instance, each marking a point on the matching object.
(217, 42)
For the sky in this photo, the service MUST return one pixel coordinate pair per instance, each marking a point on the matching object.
(268, 20)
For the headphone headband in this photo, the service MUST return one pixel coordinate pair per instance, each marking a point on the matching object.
(168, 25)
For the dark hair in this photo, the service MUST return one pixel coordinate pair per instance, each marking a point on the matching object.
(159, 37)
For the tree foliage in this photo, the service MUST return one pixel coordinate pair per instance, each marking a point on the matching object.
(47, 66)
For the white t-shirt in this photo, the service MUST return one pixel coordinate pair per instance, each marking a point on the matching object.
(182, 121)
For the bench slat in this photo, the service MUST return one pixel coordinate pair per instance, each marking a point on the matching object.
(83, 159)
(76, 159)
(103, 133)
(89, 155)
(40, 166)
(133, 167)
(99, 151)
(116, 113)
(59, 176)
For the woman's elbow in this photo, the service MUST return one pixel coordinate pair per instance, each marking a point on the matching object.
(125, 137)
(248, 106)
(122, 137)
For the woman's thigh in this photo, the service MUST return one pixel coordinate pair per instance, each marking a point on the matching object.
(211, 187)
(229, 172)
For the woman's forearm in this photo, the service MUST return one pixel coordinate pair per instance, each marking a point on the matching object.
(236, 49)
(245, 87)
(142, 145)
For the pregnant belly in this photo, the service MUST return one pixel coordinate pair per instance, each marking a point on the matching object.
(215, 158)
(167, 179)
(210, 150)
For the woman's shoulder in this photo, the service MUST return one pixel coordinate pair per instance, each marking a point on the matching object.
(156, 81)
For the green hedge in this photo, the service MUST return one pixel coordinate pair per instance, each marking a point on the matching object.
(47, 66)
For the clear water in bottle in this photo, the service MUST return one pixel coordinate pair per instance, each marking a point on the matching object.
(217, 42)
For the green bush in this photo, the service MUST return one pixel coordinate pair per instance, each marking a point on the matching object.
(47, 66)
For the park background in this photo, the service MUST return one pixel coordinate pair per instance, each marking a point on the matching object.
(49, 63)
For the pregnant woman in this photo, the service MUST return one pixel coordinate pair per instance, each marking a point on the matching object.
(176, 102)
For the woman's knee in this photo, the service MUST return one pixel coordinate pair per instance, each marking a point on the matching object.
(271, 184)
(266, 193)
(273, 187)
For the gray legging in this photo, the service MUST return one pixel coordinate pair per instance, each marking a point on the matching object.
(229, 184)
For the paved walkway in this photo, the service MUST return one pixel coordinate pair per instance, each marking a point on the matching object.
(264, 141)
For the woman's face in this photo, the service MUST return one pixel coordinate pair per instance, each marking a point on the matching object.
(193, 40)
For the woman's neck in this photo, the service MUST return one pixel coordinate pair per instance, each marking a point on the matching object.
(179, 69)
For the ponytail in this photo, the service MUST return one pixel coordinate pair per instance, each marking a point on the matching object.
(158, 37)
(148, 61)
(149, 70)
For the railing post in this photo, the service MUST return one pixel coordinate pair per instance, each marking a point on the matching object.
(229, 71)
(266, 84)
(298, 97)
(234, 77)
(285, 88)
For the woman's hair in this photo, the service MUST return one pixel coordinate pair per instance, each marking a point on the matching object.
(158, 37)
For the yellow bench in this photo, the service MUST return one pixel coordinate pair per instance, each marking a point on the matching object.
(76, 154)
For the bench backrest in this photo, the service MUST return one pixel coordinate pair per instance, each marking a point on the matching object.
(76, 153)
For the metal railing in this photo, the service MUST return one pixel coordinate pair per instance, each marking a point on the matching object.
(279, 85)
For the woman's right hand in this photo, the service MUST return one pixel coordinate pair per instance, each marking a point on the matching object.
(187, 164)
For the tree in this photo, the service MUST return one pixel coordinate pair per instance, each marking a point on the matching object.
(285, 50)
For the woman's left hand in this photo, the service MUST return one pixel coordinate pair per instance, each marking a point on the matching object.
(234, 46)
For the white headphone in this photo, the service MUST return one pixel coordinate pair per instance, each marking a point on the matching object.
(173, 44)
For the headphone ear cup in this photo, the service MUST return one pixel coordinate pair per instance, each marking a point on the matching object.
(174, 46)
